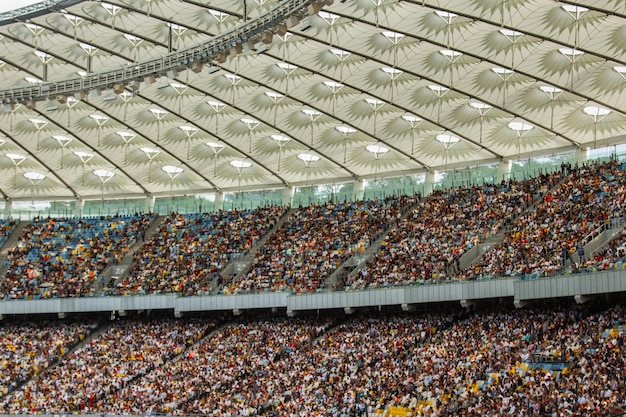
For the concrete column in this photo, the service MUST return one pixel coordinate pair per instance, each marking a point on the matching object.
(429, 182)
(219, 201)
(149, 205)
(8, 208)
(504, 170)
(288, 196)
(79, 205)
(359, 190)
(582, 155)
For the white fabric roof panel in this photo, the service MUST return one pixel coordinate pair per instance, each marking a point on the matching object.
(372, 88)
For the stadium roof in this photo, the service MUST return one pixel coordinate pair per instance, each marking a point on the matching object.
(355, 89)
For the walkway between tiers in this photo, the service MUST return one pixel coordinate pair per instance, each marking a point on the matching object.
(357, 261)
(237, 267)
(10, 243)
(476, 253)
(113, 273)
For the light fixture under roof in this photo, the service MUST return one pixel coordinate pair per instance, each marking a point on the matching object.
(312, 112)
(274, 95)
(393, 36)
(132, 38)
(374, 102)
(340, 54)
(44, 56)
(288, 68)
(447, 17)
(178, 29)
(331, 18)
(450, 53)
(596, 112)
(570, 52)
(346, 130)
(233, 78)
(73, 18)
(88, 48)
(171, 169)
(479, 106)
(126, 137)
(333, 85)
(411, 118)
(39, 123)
(392, 72)
(438, 89)
(103, 174)
(99, 118)
(150, 152)
(502, 71)
(548, 89)
(126, 95)
(215, 145)
(62, 139)
(280, 138)
(240, 164)
(520, 127)
(111, 8)
(570, 8)
(158, 113)
(34, 176)
(248, 121)
(215, 104)
(308, 158)
(218, 15)
(620, 69)
(189, 130)
(377, 150)
(15, 157)
(83, 155)
(510, 33)
(446, 139)
(33, 27)
(178, 86)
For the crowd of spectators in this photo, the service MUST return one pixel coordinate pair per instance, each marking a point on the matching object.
(547, 220)
(314, 241)
(6, 228)
(542, 240)
(243, 366)
(188, 251)
(123, 352)
(609, 256)
(57, 257)
(28, 348)
(427, 245)
(493, 361)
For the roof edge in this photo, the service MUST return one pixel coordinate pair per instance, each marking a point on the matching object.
(34, 10)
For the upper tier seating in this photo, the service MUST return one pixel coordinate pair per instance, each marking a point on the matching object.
(188, 251)
(314, 241)
(63, 257)
(542, 240)
(445, 225)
